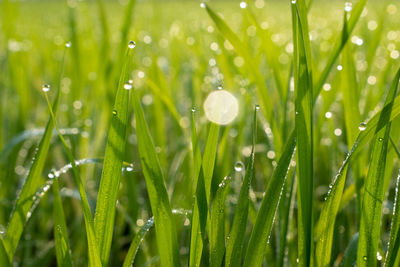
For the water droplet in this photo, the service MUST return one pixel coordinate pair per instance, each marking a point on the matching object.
(130, 81)
(220, 87)
(365, 258)
(114, 112)
(348, 6)
(129, 168)
(193, 109)
(362, 126)
(378, 256)
(131, 44)
(339, 67)
(257, 107)
(68, 44)
(239, 166)
(293, 1)
(46, 88)
(50, 175)
(243, 4)
(202, 5)
(128, 86)
(380, 139)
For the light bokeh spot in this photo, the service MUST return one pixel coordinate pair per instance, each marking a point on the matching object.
(221, 107)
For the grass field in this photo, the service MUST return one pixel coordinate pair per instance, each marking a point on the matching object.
(113, 152)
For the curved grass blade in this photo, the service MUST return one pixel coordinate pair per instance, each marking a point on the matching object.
(325, 227)
(371, 211)
(165, 226)
(348, 29)
(3, 255)
(25, 135)
(394, 240)
(217, 217)
(63, 251)
(234, 248)
(115, 148)
(304, 132)
(32, 182)
(94, 256)
(265, 217)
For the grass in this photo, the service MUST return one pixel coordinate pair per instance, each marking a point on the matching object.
(117, 164)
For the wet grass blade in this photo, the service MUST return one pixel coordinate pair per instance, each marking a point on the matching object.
(394, 240)
(234, 248)
(63, 251)
(134, 247)
(265, 217)
(165, 226)
(352, 22)
(217, 217)
(304, 132)
(371, 211)
(115, 148)
(94, 256)
(350, 254)
(202, 196)
(32, 182)
(325, 226)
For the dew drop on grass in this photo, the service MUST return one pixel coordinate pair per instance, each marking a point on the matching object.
(257, 107)
(193, 109)
(202, 5)
(114, 112)
(365, 258)
(131, 44)
(293, 1)
(220, 87)
(348, 6)
(68, 44)
(239, 166)
(243, 4)
(380, 139)
(362, 126)
(221, 107)
(46, 88)
(128, 86)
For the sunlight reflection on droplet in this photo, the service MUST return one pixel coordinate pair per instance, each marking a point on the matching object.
(221, 107)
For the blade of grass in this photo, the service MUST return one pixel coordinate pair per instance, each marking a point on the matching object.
(265, 217)
(3, 255)
(32, 182)
(304, 132)
(325, 226)
(371, 211)
(165, 227)
(234, 248)
(94, 256)
(202, 196)
(115, 148)
(354, 17)
(63, 251)
(350, 254)
(394, 241)
(217, 231)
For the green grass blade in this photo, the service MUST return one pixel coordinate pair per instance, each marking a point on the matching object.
(234, 248)
(63, 251)
(394, 240)
(354, 17)
(134, 247)
(371, 211)
(265, 217)
(3, 255)
(325, 227)
(94, 256)
(217, 217)
(350, 254)
(203, 187)
(115, 148)
(304, 132)
(32, 182)
(165, 227)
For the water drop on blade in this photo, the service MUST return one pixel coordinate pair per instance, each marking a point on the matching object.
(68, 44)
(239, 166)
(131, 45)
(362, 126)
(46, 88)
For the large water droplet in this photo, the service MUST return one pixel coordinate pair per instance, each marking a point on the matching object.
(131, 44)
(46, 88)
(239, 166)
(362, 126)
